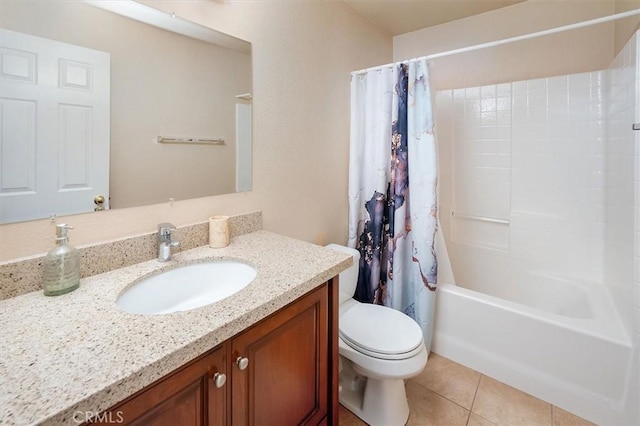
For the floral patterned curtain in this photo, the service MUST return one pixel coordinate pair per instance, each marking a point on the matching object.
(393, 190)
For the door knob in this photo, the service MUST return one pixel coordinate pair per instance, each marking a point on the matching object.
(219, 379)
(98, 200)
(242, 362)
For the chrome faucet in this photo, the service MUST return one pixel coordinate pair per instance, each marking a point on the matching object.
(164, 238)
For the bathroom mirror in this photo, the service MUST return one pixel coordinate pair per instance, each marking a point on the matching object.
(175, 97)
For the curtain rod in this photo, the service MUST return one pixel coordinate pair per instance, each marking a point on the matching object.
(509, 40)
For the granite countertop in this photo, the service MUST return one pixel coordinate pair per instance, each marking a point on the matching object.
(79, 352)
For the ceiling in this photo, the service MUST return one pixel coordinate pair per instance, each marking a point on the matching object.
(403, 16)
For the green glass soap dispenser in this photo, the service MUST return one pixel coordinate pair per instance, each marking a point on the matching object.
(62, 265)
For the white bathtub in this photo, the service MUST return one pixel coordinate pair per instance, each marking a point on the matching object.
(563, 343)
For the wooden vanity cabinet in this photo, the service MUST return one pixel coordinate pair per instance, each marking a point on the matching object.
(187, 396)
(280, 371)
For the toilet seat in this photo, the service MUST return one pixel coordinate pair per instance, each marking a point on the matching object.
(374, 330)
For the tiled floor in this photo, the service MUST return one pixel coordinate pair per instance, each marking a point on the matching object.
(449, 394)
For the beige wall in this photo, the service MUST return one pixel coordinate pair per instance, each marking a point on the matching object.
(303, 53)
(575, 51)
(162, 83)
(624, 28)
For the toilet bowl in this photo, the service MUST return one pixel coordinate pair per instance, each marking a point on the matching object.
(379, 348)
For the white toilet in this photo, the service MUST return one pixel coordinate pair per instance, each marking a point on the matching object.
(379, 348)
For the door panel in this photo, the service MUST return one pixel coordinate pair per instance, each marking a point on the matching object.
(183, 408)
(17, 158)
(286, 378)
(74, 153)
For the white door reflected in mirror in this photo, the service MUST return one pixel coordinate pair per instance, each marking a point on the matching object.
(55, 106)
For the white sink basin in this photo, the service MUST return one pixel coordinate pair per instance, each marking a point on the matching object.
(186, 287)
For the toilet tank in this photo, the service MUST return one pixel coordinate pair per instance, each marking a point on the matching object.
(348, 277)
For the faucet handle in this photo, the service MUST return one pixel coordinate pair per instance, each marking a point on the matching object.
(164, 229)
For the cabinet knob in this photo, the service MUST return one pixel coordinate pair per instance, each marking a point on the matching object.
(219, 379)
(242, 362)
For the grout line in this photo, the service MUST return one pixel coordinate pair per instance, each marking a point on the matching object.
(441, 396)
(474, 401)
(484, 418)
(475, 393)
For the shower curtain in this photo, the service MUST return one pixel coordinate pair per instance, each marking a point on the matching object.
(392, 190)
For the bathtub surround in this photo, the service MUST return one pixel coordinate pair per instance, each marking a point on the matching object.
(392, 190)
(537, 201)
(21, 276)
(529, 175)
(622, 183)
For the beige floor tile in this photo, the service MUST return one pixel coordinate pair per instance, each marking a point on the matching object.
(347, 418)
(428, 408)
(476, 420)
(565, 418)
(507, 406)
(449, 379)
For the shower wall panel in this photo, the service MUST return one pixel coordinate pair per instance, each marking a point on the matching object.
(558, 175)
(522, 172)
(622, 181)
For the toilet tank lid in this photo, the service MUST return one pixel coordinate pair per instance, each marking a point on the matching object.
(353, 252)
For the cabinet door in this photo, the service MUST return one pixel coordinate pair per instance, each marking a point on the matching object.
(285, 381)
(187, 397)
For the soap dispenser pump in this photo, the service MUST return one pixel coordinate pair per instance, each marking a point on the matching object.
(61, 265)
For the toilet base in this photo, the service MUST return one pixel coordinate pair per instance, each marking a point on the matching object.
(377, 402)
